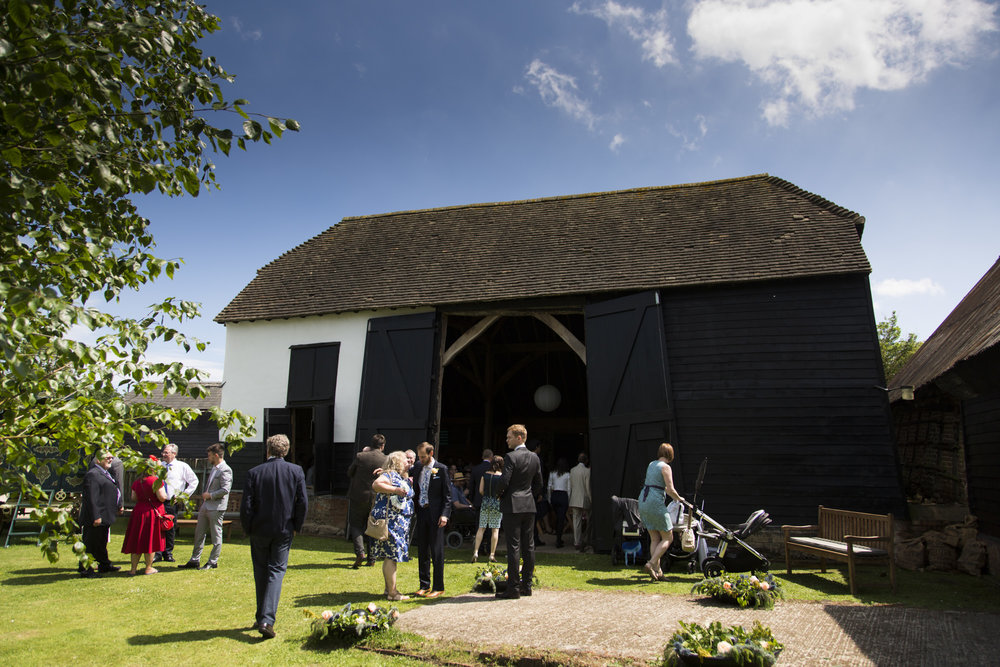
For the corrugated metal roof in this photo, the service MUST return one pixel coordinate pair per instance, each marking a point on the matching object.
(972, 328)
(745, 229)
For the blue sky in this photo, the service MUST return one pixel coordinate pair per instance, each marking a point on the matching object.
(890, 108)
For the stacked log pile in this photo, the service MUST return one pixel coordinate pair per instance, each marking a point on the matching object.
(953, 547)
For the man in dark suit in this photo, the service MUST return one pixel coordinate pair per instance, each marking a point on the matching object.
(359, 495)
(272, 511)
(432, 496)
(101, 504)
(520, 485)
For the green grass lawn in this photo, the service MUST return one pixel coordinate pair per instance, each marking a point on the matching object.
(48, 615)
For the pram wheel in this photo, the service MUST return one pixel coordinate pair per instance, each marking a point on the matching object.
(712, 568)
(453, 539)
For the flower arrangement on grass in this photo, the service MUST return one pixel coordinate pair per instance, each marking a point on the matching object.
(715, 645)
(746, 590)
(350, 624)
(493, 578)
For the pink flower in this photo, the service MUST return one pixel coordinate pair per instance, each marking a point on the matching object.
(727, 586)
(372, 608)
(764, 586)
(327, 615)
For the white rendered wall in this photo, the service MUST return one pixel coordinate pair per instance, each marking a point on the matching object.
(256, 363)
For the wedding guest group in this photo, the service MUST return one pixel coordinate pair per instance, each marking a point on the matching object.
(433, 507)
(101, 504)
(181, 482)
(359, 495)
(272, 511)
(212, 512)
(520, 484)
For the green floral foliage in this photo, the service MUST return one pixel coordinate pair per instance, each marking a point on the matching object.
(489, 577)
(99, 101)
(746, 590)
(349, 625)
(695, 644)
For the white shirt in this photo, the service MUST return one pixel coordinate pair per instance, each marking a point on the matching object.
(558, 482)
(180, 479)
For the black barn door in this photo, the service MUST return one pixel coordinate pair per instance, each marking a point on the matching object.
(398, 382)
(628, 396)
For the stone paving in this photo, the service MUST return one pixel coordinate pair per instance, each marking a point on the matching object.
(638, 626)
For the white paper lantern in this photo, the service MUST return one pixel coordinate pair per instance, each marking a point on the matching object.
(547, 398)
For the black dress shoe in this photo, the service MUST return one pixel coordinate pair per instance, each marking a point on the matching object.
(209, 566)
(108, 568)
(266, 630)
(525, 591)
(511, 593)
(168, 558)
(190, 565)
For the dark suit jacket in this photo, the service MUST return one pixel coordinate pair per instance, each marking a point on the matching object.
(521, 482)
(362, 474)
(476, 474)
(438, 491)
(274, 499)
(100, 498)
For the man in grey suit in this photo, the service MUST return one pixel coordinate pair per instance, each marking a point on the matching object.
(273, 509)
(212, 512)
(520, 484)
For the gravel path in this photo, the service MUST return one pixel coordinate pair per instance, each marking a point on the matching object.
(638, 626)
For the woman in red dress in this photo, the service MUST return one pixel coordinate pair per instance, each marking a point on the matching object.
(143, 535)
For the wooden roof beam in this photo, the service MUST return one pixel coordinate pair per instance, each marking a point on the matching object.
(466, 338)
(565, 334)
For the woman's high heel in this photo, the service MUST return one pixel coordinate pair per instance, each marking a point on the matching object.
(475, 557)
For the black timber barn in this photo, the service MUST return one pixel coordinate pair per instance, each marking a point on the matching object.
(732, 318)
(948, 437)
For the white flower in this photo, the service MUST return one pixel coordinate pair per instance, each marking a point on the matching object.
(723, 648)
(360, 619)
(754, 580)
(488, 575)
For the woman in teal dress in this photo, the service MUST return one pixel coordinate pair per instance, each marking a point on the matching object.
(393, 502)
(489, 512)
(658, 485)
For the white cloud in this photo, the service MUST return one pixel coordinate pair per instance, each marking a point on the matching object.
(691, 141)
(648, 28)
(253, 35)
(894, 287)
(616, 142)
(817, 54)
(560, 91)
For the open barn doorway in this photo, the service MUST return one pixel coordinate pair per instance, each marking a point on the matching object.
(506, 369)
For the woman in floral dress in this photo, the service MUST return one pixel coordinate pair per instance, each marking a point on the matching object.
(489, 512)
(393, 502)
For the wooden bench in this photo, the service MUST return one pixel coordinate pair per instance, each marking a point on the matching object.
(845, 536)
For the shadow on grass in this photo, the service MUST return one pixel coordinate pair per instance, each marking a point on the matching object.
(245, 635)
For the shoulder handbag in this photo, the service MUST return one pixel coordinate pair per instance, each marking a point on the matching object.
(688, 538)
(378, 529)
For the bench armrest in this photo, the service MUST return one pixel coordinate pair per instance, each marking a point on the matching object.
(788, 529)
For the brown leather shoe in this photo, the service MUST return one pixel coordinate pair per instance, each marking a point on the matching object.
(357, 562)
(434, 594)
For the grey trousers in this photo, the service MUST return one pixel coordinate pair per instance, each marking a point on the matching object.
(209, 524)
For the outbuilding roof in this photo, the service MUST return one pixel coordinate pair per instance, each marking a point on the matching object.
(736, 230)
(971, 329)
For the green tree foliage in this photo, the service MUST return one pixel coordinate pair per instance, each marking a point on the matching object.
(895, 350)
(100, 100)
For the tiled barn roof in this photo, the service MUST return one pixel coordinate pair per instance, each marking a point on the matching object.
(972, 328)
(745, 229)
(178, 401)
